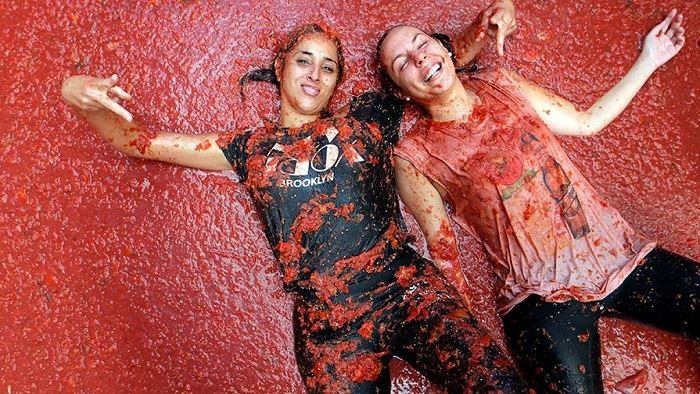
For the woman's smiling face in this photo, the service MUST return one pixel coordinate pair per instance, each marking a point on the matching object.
(309, 76)
(417, 63)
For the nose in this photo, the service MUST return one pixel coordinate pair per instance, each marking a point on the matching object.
(314, 74)
(418, 57)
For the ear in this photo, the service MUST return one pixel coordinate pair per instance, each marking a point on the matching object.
(278, 66)
(401, 95)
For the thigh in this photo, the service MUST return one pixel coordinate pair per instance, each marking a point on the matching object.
(556, 345)
(340, 361)
(663, 292)
(442, 340)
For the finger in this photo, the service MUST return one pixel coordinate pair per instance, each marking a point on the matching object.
(91, 107)
(679, 44)
(486, 16)
(497, 17)
(667, 21)
(677, 35)
(119, 92)
(677, 20)
(111, 81)
(509, 26)
(675, 25)
(500, 41)
(116, 108)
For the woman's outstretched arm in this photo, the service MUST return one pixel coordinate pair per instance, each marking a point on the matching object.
(97, 100)
(661, 44)
(425, 204)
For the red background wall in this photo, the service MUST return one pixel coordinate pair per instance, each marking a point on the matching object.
(124, 275)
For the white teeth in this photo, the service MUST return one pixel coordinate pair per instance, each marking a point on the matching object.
(433, 70)
(310, 90)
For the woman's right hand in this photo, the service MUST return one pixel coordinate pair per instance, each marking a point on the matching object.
(665, 40)
(89, 94)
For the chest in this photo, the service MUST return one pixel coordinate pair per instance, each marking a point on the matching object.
(322, 159)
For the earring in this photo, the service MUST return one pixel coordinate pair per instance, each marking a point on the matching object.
(408, 99)
(449, 54)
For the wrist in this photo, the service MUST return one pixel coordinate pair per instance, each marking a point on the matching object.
(646, 62)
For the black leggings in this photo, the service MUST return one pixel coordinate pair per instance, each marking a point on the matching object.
(557, 344)
(344, 345)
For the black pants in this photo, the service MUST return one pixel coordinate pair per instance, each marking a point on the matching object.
(344, 344)
(557, 344)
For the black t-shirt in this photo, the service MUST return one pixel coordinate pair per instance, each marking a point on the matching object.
(325, 191)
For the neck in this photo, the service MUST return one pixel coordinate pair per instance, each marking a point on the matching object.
(295, 120)
(455, 104)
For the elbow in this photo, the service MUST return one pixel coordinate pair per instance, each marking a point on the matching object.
(588, 124)
(586, 131)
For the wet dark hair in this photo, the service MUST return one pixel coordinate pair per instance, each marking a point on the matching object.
(390, 86)
(291, 41)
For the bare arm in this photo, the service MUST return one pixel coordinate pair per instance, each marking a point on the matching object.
(97, 100)
(425, 204)
(497, 21)
(561, 116)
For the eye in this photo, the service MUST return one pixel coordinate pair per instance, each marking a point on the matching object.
(404, 64)
(328, 69)
(424, 43)
(303, 61)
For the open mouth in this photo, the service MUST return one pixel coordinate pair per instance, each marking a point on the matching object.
(434, 70)
(310, 90)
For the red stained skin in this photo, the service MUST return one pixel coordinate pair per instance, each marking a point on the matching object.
(443, 246)
(141, 142)
(479, 31)
(204, 145)
(182, 293)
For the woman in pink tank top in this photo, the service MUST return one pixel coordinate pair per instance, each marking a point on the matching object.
(562, 255)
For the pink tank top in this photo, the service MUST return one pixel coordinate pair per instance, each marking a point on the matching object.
(512, 186)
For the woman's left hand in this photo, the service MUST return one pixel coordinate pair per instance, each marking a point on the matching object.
(665, 40)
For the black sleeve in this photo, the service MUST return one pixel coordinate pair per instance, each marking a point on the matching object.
(236, 153)
(384, 110)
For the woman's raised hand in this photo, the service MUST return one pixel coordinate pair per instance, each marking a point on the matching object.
(665, 40)
(498, 21)
(93, 94)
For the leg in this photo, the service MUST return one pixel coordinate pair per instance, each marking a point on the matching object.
(556, 345)
(663, 292)
(442, 340)
(340, 362)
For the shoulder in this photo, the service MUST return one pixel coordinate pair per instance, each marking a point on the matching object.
(498, 76)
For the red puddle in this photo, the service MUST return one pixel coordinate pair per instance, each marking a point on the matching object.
(122, 275)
